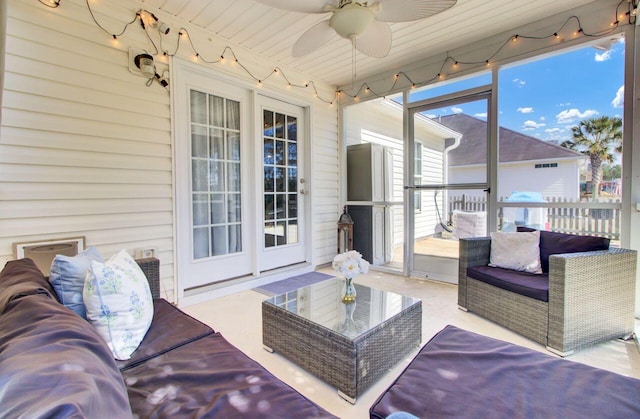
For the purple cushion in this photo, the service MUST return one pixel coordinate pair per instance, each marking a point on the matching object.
(555, 243)
(52, 362)
(210, 378)
(170, 329)
(523, 283)
(552, 243)
(459, 374)
(24, 277)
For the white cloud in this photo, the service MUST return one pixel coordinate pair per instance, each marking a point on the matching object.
(525, 110)
(542, 118)
(600, 57)
(431, 116)
(519, 82)
(531, 125)
(618, 101)
(572, 115)
(456, 109)
(480, 115)
(564, 105)
(553, 130)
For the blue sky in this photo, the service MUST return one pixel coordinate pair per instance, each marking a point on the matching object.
(546, 97)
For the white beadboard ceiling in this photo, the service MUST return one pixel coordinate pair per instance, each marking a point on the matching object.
(271, 32)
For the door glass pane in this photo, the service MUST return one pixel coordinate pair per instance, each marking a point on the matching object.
(200, 243)
(200, 210)
(215, 175)
(217, 143)
(293, 180)
(292, 128)
(199, 175)
(233, 115)
(216, 106)
(219, 240)
(234, 177)
(217, 208)
(199, 142)
(234, 146)
(280, 179)
(198, 107)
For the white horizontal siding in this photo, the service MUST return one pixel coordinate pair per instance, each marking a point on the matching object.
(86, 147)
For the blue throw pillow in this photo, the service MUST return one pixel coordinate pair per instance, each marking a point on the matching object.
(68, 275)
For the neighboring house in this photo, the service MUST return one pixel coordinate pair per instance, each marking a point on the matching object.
(525, 163)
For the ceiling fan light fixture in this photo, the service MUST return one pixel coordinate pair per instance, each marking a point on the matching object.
(351, 20)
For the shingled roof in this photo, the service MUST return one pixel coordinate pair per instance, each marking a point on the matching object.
(514, 146)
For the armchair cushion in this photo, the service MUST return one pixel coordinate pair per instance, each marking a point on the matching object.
(552, 243)
(517, 251)
(523, 283)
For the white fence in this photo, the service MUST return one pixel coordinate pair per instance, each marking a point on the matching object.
(585, 217)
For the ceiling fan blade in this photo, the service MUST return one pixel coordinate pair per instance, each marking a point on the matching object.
(375, 41)
(407, 10)
(315, 37)
(306, 6)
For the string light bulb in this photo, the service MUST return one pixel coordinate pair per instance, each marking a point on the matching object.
(50, 3)
(145, 15)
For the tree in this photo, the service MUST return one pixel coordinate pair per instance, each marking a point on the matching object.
(597, 138)
(611, 172)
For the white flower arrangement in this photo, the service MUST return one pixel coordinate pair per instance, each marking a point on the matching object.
(350, 264)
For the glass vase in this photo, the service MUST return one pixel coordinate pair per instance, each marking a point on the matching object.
(349, 295)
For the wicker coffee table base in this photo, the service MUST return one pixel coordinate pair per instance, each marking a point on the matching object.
(350, 365)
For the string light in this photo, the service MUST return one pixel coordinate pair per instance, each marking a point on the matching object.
(51, 3)
(514, 38)
(630, 15)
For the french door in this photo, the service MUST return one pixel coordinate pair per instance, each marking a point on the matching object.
(213, 180)
(240, 189)
(282, 203)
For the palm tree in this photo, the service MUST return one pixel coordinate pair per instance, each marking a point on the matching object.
(597, 138)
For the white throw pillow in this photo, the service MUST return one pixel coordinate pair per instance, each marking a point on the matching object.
(119, 303)
(519, 251)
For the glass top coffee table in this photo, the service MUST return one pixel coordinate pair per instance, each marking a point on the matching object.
(349, 346)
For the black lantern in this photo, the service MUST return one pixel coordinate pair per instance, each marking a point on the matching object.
(345, 232)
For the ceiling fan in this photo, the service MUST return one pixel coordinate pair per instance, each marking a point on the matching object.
(357, 21)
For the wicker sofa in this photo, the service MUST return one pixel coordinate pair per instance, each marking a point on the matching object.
(589, 294)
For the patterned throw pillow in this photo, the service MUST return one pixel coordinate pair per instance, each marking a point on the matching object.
(516, 251)
(119, 303)
(67, 275)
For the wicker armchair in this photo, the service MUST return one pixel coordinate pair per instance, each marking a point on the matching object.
(591, 297)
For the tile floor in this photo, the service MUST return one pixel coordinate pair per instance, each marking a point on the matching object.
(238, 318)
